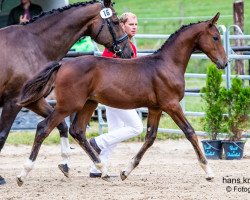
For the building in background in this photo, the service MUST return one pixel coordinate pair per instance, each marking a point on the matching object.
(7, 5)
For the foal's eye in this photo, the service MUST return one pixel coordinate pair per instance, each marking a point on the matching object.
(215, 38)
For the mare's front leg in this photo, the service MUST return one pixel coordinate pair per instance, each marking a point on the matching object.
(175, 111)
(42, 108)
(78, 130)
(8, 115)
(154, 116)
(44, 128)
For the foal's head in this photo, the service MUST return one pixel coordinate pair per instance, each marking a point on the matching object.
(106, 27)
(209, 42)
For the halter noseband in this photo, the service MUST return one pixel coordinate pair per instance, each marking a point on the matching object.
(115, 45)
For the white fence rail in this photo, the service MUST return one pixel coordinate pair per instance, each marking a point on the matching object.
(226, 37)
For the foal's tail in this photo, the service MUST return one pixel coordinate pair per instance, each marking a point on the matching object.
(39, 86)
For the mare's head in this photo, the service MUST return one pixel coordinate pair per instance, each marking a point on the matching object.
(209, 41)
(107, 30)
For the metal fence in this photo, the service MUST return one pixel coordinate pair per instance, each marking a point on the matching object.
(231, 54)
(29, 121)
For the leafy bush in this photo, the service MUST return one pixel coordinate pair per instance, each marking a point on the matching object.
(214, 119)
(237, 101)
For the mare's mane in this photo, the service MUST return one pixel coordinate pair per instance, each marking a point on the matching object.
(60, 10)
(175, 34)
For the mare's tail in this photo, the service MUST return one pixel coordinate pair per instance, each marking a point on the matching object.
(40, 85)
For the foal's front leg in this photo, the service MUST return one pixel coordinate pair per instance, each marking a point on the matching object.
(175, 111)
(78, 130)
(152, 126)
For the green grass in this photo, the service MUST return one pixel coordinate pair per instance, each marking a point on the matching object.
(152, 19)
(149, 11)
(27, 137)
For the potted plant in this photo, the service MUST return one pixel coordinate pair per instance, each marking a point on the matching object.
(237, 101)
(214, 109)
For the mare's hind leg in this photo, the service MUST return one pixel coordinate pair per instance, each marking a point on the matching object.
(78, 130)
(44, 128)
(42, 108)
(175, 111)
(152, 126)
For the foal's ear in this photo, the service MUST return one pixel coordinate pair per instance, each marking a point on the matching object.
(107, 3)
(214, 19)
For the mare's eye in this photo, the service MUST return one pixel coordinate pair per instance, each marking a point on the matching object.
(215, 38)
(116, 22)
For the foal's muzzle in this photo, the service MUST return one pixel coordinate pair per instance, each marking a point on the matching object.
(221, 64)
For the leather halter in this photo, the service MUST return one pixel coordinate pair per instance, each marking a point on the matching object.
(115, 45)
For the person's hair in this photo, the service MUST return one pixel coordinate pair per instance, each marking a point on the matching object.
(124, 17)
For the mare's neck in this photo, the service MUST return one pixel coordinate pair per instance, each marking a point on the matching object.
(59, 31)
(179, 49)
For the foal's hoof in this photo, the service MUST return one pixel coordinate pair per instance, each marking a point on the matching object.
(123, 176)
(64, 169)
(19, 181)
(210, 178)
(106, 178)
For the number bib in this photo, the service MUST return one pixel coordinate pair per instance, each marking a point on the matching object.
(106, 13)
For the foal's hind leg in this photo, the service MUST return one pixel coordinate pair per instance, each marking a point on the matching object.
(42, 108)
(176, 113)
(44, 128)
(78, 130)
(152, 126)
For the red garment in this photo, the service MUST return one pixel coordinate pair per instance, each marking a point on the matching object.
(107, 53)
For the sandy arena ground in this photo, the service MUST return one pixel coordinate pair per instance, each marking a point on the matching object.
(168, 171)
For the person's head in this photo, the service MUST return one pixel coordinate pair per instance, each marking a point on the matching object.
(129, 23)
(25, 2)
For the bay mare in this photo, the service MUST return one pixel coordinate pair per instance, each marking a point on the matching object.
(155, 81)
(25, 49)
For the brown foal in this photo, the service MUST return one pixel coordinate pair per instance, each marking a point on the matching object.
(155, 81)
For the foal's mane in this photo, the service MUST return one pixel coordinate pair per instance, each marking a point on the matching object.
(173, 35)
(60, 10)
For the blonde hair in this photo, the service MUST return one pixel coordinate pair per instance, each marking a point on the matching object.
(124, 17)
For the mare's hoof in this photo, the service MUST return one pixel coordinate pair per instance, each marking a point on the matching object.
(123, 176)
(19, 181)
(2, 181)
(106, 178)
(64, 169)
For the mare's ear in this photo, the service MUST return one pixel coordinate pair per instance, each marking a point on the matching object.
(107, 3)
(214, 19)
